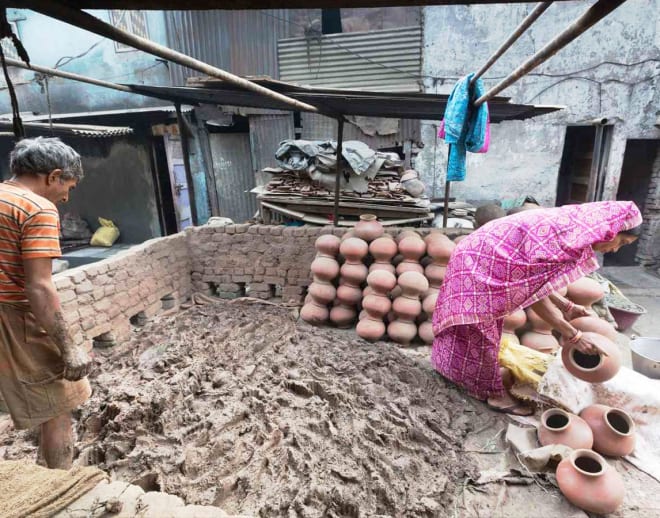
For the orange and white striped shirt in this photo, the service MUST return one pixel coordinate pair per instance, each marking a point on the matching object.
(29, 229)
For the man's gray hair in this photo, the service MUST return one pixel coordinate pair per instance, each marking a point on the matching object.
(41, 155)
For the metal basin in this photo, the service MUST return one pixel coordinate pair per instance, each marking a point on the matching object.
(646, 356)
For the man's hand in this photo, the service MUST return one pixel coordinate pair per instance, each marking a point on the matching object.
(77, 363)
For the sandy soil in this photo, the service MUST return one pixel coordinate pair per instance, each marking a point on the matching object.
(239, 405)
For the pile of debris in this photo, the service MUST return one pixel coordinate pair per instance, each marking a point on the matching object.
(303, 186)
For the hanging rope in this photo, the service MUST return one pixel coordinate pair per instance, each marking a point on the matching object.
(6, 32)
(50, 109)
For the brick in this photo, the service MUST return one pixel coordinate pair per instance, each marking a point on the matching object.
(84, 287)
(275, 230)
(63, 283)
(67, 296)
(79, 276)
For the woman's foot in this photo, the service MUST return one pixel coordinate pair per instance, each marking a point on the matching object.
(508, 405)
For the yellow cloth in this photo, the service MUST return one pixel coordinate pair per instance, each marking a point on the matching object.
(31, 490)
(106, 234)
(526, 365)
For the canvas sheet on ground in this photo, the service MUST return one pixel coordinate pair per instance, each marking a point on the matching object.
(630, 391)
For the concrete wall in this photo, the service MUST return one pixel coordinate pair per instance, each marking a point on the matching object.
(49, 42)
(611, 71)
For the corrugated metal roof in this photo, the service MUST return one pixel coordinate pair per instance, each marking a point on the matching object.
(385, 61)
(402, 105)
(79, 130)
(241, 42)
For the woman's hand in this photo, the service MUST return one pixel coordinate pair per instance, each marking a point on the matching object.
(577, 311)
(582, 344)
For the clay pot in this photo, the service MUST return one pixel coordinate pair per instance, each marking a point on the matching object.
(349, 295)
(439, 247)
(435, 273)
(363, 314)
(383, 250)
(314, 313)
(353, 249)
(425, 332)
(343, 316)
(593, 368)
(585, 292)
(412, 284)
(595, 325)
(347, 235)
(322, 292)
(407, 233)
(538, 324)
(402, 331)
(412, 248)
(370, 329)
(430, 301)
(590, 483)
(514, 321)
(327, 244)
(409, 266)
(325, 268)
(541, 342)
(368, 228)
(396, 292)
(377, 305)
(368, 291)
(613, 429)
(353, 274)
(381, 281)
(407, 308)
(560, 427)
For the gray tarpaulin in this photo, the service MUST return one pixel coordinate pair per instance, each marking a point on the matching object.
(301, 155)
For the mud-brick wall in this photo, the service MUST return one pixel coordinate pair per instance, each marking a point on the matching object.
(99, 299)
(262, 261)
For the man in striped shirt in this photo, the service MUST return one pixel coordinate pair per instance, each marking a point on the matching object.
(42, 372)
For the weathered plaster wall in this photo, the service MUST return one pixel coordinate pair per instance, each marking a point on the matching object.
(49, 41)
(611, 71)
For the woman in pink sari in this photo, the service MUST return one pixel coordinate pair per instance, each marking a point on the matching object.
(517, 262)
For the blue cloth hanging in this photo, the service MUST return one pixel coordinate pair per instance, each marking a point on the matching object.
(465, 128)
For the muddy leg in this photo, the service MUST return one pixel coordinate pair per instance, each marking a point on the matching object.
(57, 442)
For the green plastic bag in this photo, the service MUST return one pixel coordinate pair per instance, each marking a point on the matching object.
(106, 235)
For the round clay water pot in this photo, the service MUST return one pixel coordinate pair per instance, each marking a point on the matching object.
(595, 325)
(368, 228)
(327, 244)
(343, 316)
(439, 247)
(382, 266)
(413, 284)
(435, 273)
(349, 295)
(402, 331)
(383, 249)
(425, 332)
(381, 281)
(590, 483)
(613, 429)
(322, 292)
(314, 313)
(514, 321)
(407, 308)
(407, 233)
(429, 303)
(368, 291)
(353, 273)
(363, 314)
(325, 268)
(412, 248)
(377, 305)
(593, 368)
(370, 329)
(541, 342)
(560, 427)
(409, 266)
(585, 292)
(538, 324)
(353, 249)
(347, 235)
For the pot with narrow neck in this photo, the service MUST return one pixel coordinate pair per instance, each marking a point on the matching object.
(592, 368)
(368, 228)
(560, 427)
(613, 429)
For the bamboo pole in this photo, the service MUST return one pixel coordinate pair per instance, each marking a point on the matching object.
(524, 25)
(185, 149)
(338, 170)
(590, 17)
(90, 23)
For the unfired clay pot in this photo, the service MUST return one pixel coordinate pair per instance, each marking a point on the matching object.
(327, 244)
(439, 247)
(314, 313)
(413, 284)
(514, 321)
(342, 315)
(595, 325)
(325, 268)
(560, 427)
(540, 337)
(430, 301)
(402, 331)
(353, 249)
(412, 249)
(383, 250)
(613, 429)
(426, 332)
(435, 273)
(370, 329)
(322, 292)
(590, 483)
(368, 228)
(381, 281)
(592, 368)
(348, 295)
(347, 235)
(407, 308)
(585, 292)
(406, 233)
(353, 273)
(377, 306)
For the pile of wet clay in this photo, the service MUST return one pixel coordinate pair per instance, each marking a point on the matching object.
(238, 405)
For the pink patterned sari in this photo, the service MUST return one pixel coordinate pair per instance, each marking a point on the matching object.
(509, 264)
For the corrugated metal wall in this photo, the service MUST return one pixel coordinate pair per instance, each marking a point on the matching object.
(266, 133)
(234, 175)
(386, 61)
(318, 127)
(242, 42)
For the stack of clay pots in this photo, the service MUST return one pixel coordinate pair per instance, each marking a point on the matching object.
(353, 273)
(407, 307)
(539, 337)
(322, 292)
(584, 477)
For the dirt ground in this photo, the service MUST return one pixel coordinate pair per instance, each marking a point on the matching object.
(241, 406)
